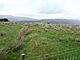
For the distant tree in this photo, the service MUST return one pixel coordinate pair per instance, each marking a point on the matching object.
(48, 22)
(4, 20)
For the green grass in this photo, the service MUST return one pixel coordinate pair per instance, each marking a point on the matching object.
(9, 32)
(41, 40)
(47, 40)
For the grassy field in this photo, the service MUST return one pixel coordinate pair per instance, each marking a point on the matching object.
(51, 40)
(8, 33)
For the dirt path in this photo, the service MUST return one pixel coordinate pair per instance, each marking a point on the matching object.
(20, 37)
(16, 45)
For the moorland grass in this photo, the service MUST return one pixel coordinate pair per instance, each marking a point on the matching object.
(53, 40)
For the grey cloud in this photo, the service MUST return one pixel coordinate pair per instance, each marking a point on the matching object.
(50, 8)
(1, 6)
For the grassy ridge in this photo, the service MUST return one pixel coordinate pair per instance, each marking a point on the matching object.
(44, 39)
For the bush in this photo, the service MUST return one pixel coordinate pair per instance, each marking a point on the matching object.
(4, 20)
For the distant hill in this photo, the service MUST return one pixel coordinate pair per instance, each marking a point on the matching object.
(48, 21)
(59, 21)
(16, 18)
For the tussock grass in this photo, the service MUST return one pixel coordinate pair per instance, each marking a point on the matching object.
(8, 33)
(51, 40)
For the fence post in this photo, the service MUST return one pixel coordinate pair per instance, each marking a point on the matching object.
(78, 58)
(73, 58)
(22, 57)
(70, 58)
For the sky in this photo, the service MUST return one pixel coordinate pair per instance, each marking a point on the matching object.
(40, 9)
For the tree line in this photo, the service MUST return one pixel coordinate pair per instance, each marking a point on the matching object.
(4, 20)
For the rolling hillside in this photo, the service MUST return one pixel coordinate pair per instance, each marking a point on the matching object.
(38, 41)
(13, 18)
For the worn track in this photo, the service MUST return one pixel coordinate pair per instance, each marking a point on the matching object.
(16, 45)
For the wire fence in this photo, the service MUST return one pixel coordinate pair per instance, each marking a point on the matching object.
(53, 58)
(60, 55)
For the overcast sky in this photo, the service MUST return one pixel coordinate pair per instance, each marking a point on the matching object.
(41, 8)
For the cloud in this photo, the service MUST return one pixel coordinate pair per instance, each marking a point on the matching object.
(41, 8)
(68, 8)
(1, 6)
(51, 7)
(15, 7)
(72, 8)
